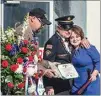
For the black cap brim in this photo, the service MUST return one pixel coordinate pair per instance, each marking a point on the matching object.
(45, 21)
(67, 27)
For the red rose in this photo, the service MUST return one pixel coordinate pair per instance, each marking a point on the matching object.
(41, 73)
(39, 58)
(24, 69)
(30, 58)
(33, 53)
(21, 85)
(25, 42)
(10, 85)
(19, 60)
(8, 47)
(24, 50)
(4, 63)
(36, 76)
(14, 67)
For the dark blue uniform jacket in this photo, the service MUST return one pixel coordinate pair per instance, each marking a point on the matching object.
(55, 51)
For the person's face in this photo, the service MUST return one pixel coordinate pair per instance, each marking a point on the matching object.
(75, 39)
(35, 23)
(65, 33)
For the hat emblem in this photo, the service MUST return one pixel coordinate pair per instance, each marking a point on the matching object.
(68, 18)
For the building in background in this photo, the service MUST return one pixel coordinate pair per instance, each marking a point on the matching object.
(87, 15)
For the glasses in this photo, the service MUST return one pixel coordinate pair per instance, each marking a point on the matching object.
(42, 24)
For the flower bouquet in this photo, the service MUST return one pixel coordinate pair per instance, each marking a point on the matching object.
(19, 74)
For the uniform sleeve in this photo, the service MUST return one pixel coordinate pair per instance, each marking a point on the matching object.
(94, 54)
(49, 51)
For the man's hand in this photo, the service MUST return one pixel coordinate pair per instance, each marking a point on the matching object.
(85, 43)
(49, 73)
(49, 90)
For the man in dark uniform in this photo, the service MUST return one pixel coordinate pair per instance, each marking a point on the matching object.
(56, 50)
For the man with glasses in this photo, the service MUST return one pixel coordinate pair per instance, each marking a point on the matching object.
(36, 21)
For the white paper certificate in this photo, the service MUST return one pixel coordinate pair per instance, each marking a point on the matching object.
(63, 71)
(67, 71)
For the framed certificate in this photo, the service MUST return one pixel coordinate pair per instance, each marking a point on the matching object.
(67, 71)
(63, 71)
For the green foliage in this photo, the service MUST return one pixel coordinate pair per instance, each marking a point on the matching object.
(6, 74)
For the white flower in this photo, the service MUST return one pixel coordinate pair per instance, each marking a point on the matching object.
(35, 59)
(27, 58)
(32, 88)
(19, 69)
(4, 57)
(9, 34)
(31, 69)
(4, 37)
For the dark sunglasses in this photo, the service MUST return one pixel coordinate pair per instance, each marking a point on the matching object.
(42, 24)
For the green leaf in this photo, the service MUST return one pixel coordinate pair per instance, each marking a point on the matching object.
(5, 71)
(9, 78)
(18, 76)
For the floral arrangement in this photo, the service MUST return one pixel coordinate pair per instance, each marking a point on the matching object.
(19, 74)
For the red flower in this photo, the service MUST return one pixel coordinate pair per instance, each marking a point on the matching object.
(41, 73)
(24, 50)
(33, 53)
(21, 85)
(36, 76)
(10, 85)
(39, 58)
(24, 69)
(19, 60)
(8, 47)
(14, 67)
(30, 58)
(25, 42)
(4, 63)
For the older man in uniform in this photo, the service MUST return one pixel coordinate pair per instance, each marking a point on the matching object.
(57, 50)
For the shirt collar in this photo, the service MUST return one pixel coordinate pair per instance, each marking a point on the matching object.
(61, 37)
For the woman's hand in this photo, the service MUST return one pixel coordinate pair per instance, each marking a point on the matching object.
(93, 75)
